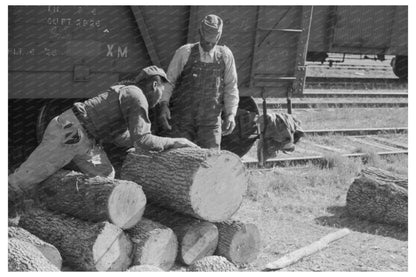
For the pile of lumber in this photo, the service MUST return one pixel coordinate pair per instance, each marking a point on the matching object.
(167, 207)
(380, 196)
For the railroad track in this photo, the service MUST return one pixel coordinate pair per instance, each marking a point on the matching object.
(369, 138)
(367, 83)
(329, 105)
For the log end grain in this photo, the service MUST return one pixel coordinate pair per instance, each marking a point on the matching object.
(23, 256)
(126, 204)
(200, 240)
(212, 264)
(156, 244)
(218, 187)
(239, 242)
(112, 249)
(144, 268)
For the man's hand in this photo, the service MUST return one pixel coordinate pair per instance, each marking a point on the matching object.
(165, 116)
(228, 125)
(183, 142)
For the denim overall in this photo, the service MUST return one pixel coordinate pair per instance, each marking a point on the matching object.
(197, 100)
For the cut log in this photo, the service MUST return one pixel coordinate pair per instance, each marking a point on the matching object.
(155, 244)
(144, 268)
(94, 199)
(380, 196)
(48, 250)
(24, 256)
(83, 245)
(296, 255)
(239, 242)
(206, 184)
(196, 238)
(212, 264)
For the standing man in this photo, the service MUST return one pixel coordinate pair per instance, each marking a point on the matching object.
(119, 115)
(204, 84)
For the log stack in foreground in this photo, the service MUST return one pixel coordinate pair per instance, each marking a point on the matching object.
(203, 183)
(94, 199)
(83, 245)
(380, 196)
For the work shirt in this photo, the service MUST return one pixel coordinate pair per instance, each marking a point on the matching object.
(179, 61)
(122, 111)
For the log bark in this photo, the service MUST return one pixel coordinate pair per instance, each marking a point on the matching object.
(212, 264)
(196, 238)
(83, 245)
(296, 255)
(379, 196)
(155, 244)
(206, 184)
(23, 256)
(239, 242)
(48, 250)
(94, 199)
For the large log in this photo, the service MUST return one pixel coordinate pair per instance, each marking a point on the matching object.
(239, 242)
(23, 256)
(196, 238)
(83, 245)
(206, 184)
(380, 196)
(155, 244)
(95, 199)
(48, 250)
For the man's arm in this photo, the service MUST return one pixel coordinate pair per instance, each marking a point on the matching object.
(231, 93)
(135, 109)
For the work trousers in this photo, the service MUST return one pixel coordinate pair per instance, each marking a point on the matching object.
(64, 140)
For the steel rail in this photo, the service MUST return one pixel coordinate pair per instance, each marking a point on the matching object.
(320, 160)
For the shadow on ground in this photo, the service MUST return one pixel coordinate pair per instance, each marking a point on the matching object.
(341, 219)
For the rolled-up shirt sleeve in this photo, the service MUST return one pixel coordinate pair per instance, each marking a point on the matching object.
(178, 62)
(134, 107)
(231, 93)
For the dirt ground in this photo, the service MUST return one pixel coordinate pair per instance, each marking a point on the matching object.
(293, 214)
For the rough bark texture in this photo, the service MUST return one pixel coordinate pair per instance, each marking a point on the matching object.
(83, 245)
(212, 264)
(196, 238)
(204, 183)
(379, 196)
(24, 256)
(48, 250)
(144, 268)
(239, 242)
(155, 244)
(94, 199)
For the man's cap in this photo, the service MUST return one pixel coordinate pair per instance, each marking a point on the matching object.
(151, 71)
(211, 27)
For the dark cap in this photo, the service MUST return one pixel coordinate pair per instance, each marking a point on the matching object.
(151, 71)
(211, 27)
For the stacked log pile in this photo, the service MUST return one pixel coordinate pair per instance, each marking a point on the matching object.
(380, 196)
(169, 206)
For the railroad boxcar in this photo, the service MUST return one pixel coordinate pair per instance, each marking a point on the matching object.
(60, 54)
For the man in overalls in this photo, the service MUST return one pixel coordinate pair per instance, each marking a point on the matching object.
(203, 85)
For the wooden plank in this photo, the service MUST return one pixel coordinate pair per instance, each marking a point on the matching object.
(371, 143)
(151, 51)
(297, 255)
